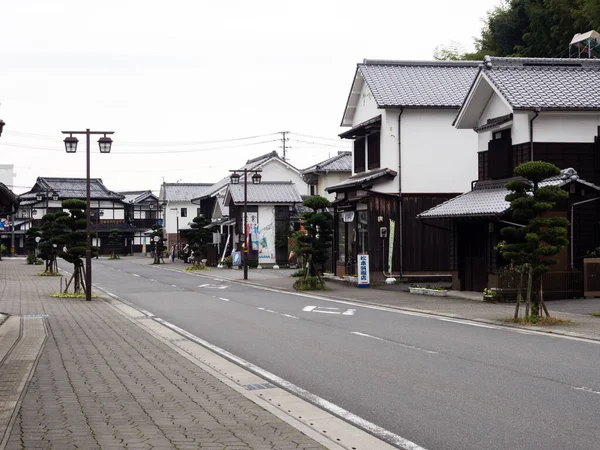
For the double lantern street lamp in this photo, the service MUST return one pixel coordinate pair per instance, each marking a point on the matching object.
(105, 143)
(235, 179)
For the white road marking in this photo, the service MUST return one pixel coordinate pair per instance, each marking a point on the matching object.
(275, 312)
(174, 285)
(413, 347)
(290, 316)
(151, 279)
(224, 299)
(213, 286)
(406, 312)
(135, 274)
(586, 389)
(328, 310)
(376, 430)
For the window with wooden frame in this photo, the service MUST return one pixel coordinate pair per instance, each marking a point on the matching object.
(373, 151)
(359, 155)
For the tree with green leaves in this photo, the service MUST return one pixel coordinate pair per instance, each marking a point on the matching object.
(531, 246)
(159, 246)
(115, 243)
(314, 241)
(73, 240)
(199, 238)
(52, 240)
(530, 28)
(31, 244)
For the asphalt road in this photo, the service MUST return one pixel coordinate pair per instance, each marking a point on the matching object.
(437, 382)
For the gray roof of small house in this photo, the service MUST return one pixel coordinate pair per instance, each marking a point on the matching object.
(134, 197)
(182, 192)
(72, 188)
(266, 192)
(418, 84)
(342, 162)
(363, 179)
(8, 200)
(250, 165)
(488, 198)
(548, 87)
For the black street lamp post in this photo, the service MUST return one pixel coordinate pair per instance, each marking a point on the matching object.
(71, 147)
(235, 179)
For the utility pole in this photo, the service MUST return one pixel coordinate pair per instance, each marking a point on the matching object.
(284, 139)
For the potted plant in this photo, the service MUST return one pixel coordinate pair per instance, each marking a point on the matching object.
(489, 294)
(416, 289)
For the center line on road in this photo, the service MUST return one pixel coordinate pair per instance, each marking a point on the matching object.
(275, 312)
(174, 285)
(135, 274)
(224, 299)
(151, 279)
(413, 347)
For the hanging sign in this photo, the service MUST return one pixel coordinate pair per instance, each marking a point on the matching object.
(391, 245)
(363, 270)
(348, 216)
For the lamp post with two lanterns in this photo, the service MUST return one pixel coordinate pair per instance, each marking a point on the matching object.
(105, 143)
(235, 179)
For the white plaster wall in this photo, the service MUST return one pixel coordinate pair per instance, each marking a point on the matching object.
(276, 171)
(496, 107)
(366, 108)
(436, 157)
(520, 127)
(7, 175)
(170, 222)
(549, 127)
(330, 179)
(266, 227)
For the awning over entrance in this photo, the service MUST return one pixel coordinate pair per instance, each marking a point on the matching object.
(363, 180)
(362, 129)
(487, 199)
(220, 222)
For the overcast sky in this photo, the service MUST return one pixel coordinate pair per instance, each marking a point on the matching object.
(169, 76)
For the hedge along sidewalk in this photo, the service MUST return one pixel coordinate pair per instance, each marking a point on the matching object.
(102, 382)
(582, 325)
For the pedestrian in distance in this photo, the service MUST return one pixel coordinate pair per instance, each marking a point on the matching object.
(173, 250)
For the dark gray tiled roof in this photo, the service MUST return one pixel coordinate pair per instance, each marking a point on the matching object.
(488, 198)
(266, 192)
(182, 192)
(72, 188)
(548, 87)
(440, 84)
(250, 164)
(8, 200)
(342, 162)
(134, 197)
(364, 179)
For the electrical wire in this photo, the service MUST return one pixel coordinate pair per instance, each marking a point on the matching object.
(52, 149)
(316, 137)
(143, 144)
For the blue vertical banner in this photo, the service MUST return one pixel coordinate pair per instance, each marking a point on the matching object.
(363, 271)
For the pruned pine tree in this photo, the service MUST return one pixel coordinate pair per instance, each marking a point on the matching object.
(532, 245)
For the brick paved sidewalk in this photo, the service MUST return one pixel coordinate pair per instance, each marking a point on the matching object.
(102, 382)
(582, 324)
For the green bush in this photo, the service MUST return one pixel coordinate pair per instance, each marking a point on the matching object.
(32, 259)
(49, 274)
(252, 264)
(299, 273)
(309, 284)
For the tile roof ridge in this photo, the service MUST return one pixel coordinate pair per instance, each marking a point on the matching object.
(265, 156)
(418, 63)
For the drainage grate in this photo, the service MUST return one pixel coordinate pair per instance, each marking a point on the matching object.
(35, 316)
(254, 387)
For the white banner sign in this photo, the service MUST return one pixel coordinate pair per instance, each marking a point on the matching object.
(363, 270)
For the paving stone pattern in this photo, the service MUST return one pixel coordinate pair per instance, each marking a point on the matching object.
(103, 382)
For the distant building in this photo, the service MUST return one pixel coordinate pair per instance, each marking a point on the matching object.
(327, 173)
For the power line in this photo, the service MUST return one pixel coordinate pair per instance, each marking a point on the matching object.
(323, 144)
(143, 144)
(52, 149)
(317, 137)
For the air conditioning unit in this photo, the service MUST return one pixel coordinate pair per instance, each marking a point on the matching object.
(591, 277)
